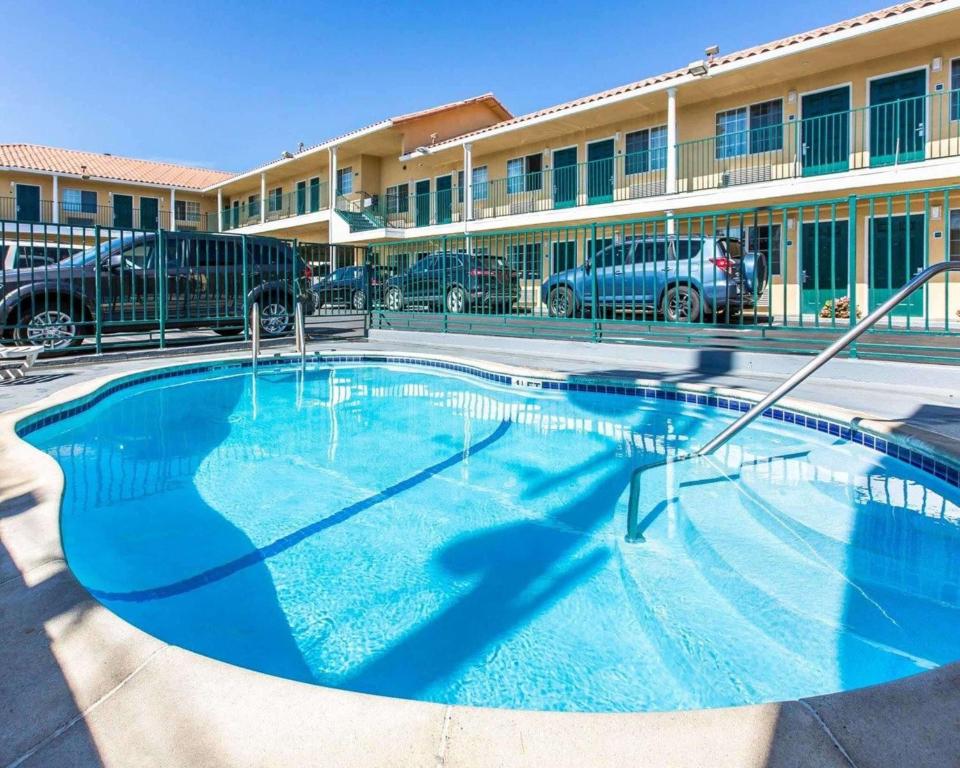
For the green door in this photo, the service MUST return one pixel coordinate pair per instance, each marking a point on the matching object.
(28, 203)
(600, 172)
(315, 194)
(565, 185)
(421, 192)
(897, 107)
(123, 211)
(825, 131)
(444, 199)
(824, 265)
(149, 213)
(896, 255)
(301, 198)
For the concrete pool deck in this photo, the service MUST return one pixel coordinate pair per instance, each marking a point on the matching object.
(81, 687)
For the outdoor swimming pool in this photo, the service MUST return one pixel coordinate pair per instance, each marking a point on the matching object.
(427, 534)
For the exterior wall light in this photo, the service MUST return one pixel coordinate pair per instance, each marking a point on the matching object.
(937, 64)
(697, 68)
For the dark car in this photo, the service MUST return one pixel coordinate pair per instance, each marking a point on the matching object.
(456, 281)
(684, 278)
(199, 280)
(349, 286)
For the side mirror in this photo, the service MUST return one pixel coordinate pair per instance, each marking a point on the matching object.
(113, 262)
(587, 265)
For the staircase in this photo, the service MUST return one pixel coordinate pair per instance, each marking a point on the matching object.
(360, 216)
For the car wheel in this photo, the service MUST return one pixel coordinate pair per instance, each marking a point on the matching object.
(359, 301)
(394, 300)
(561, 303)
(456, 300)
(274, 319)
(681, 304)
(49, 328)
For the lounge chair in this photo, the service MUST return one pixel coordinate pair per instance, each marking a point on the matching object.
(15, 361)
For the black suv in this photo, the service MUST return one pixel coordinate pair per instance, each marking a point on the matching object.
(349, 286)
(200, 279)
(456, 281)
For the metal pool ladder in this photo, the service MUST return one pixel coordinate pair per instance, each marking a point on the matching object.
(636, 526)
(255, 333)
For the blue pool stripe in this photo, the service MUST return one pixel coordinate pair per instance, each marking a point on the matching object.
(292, 539)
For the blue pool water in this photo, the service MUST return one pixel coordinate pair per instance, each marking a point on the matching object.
(407, 532)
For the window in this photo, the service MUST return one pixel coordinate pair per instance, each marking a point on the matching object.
(564, 256)
(767, 239)
(525, 174)
(481, 190)
(601, 243)
(955, 89)
(398, 198)
(754, 129)
(344, 181)
(275, 199)
(954, 235)
(766, 126)
(527, 260)
(79, 201)
(646, 150)
(186, 210)
(253, 205)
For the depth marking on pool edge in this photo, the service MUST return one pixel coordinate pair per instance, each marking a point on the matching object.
(259, 555)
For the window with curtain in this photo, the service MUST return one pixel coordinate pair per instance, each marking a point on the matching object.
(79, 201)
(731, 133)
(766, 126)
(344, 181)
(481, 189)
(646, 150)
(955, 89)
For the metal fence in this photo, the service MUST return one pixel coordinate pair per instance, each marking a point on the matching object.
(107, 288)
(796, 274)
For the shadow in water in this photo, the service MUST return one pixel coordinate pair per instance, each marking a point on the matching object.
(519, 570)
(136, 459)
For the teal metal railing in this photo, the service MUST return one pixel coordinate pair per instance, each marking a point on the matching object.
(298, 202)
(795, 273)
(80, 215)
(895, 133)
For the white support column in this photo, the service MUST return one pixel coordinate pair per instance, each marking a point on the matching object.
(332, 193)
(219, 210)
(173, 209)
(263, 198)
(468, 183)
(332, 180)
(56, 200)
(671, 141)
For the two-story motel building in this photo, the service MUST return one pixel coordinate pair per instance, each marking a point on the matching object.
(854, 109)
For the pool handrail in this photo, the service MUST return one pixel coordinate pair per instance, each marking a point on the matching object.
(635, 527)
(300, 332)
(255, 333)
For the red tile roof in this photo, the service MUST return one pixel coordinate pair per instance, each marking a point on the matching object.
(34, 157)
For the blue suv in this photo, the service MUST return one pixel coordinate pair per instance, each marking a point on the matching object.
(684, 278)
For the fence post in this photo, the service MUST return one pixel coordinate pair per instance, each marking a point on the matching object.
(162, 286)
(852, 265)
(594, 320)
(245, 288)
(443, 280)
(98, 292)
(368, 290)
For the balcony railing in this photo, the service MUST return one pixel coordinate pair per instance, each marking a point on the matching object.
(299, 202)
(906, 131)
(83, 215)
(896, 133)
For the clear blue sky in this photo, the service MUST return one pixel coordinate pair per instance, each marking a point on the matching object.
(231, 85)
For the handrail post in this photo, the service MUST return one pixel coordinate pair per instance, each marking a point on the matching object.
(255, 333)
(300, 335)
